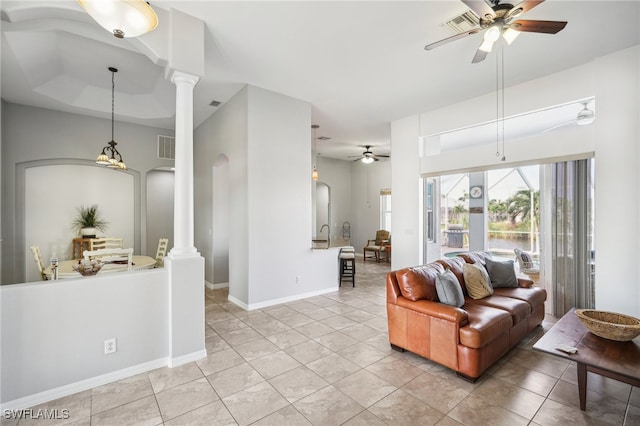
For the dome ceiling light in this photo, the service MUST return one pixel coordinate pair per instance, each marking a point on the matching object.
(122, 18)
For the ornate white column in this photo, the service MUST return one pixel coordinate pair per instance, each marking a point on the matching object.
(184, 264)
(183, 227)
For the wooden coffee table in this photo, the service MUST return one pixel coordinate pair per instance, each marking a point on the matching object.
(609, 358)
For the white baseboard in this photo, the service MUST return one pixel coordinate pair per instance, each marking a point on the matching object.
(82, 385)
(238, 302)
(287, 299)
(194, 356)
(212, 286)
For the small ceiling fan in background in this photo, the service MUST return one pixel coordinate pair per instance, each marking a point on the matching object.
(368, 157)
(497, 20)
(584, 117)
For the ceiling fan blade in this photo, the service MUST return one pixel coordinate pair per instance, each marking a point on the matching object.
(521, 8)
(531, 26)
(479, 56)
(382, 156)
(479, 7)
(566, 123)
(450, 39)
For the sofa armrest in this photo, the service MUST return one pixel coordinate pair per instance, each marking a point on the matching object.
(524, 282)
(436, 310)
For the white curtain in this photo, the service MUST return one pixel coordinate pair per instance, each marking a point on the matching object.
(573, 255)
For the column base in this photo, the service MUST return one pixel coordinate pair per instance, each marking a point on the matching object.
(186, 308)
(180, 253)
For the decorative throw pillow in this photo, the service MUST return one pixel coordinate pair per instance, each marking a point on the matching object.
(502, 274)
(525, 257)
(449, 290)
(477, 280)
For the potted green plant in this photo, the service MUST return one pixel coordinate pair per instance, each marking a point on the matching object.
(88, 221)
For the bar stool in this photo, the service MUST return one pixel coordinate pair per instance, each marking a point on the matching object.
(347, 257)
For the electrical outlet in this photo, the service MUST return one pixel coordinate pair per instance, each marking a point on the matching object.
(298, 279)
(110, 346)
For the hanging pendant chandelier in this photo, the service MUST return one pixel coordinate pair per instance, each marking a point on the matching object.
(109, 153)
(122, 18)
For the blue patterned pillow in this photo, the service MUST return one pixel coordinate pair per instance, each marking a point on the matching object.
(525, 257)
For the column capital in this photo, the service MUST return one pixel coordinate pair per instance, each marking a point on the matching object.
(183, 77)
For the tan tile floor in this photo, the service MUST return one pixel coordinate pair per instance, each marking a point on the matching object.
(326, 360)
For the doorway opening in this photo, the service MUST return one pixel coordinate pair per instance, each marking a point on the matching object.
(220, 223)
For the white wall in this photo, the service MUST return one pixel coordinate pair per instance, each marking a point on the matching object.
(337, 174)
(160, 185)
(405, 193)
(366, 182)
(266, 137)
(614, 138)
(52, 334)
(279, 201)
(224, 133)
(322, 207)
(220, 221)
(617, 199)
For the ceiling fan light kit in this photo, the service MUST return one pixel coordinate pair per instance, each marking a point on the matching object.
(585, 117)
(509, 35)
(122, 18)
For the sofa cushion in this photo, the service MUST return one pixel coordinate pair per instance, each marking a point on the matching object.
(485, 325)
(419, 282)
(477, 281)
(535, 296)
(502, 274)
(518, 309)
(449, 290)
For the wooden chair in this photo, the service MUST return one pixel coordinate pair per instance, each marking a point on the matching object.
(112, 255)
(161, 252)
(377, 246)
(105, 243)
(45, 273)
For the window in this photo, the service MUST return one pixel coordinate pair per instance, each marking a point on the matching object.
(385, 209)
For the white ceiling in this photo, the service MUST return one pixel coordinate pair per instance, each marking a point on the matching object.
(360, 64)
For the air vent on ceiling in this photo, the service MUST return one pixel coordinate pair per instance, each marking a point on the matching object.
(166, 147)
(463, 23)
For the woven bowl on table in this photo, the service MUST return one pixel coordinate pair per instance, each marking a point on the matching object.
(610, 325)
(87, 268)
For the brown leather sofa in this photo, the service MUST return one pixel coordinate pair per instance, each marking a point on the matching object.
(468, 339)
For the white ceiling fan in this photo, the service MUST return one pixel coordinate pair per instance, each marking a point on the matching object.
(584, 117)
